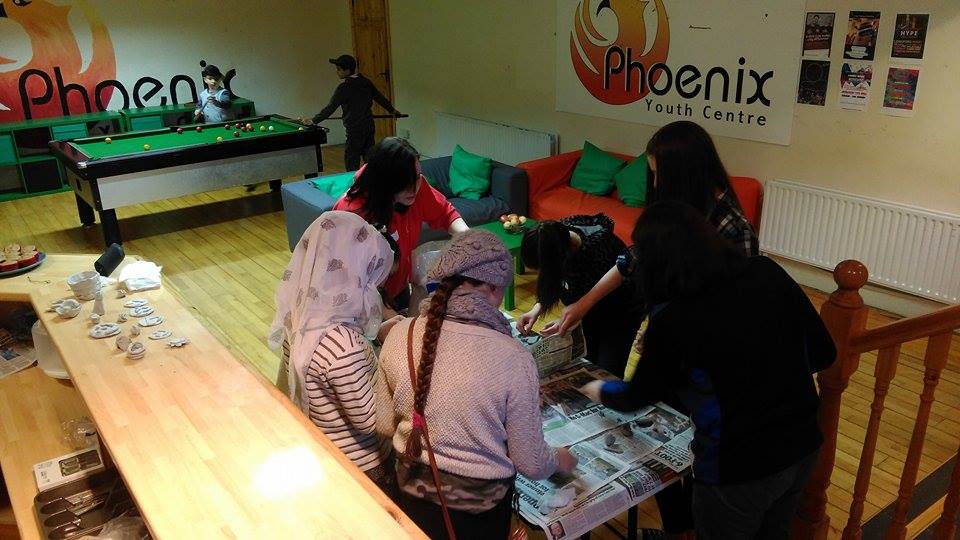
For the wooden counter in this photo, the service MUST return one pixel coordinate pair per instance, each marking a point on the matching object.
(207, 448)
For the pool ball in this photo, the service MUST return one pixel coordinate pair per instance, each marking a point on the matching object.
(199, 129)
(300, 128)
(226, 126)
(108, 140)
(146, 147)
(219, 139)
(263, 128)
(249, 126)
(239, 125)
(270, 128)
(236, 133)
(179, 131)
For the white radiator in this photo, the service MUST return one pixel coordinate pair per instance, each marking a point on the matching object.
(903, 247)
(503, 143)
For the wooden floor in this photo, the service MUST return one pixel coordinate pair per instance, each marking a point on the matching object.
(223, 253)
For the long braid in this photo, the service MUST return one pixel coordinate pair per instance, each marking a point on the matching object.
(431, 335)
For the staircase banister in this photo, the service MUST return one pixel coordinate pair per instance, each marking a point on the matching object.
(902, 331)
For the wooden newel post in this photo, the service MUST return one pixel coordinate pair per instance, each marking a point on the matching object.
(845, 316)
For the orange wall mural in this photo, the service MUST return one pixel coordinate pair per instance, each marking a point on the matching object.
(52, 81)
(611, 67)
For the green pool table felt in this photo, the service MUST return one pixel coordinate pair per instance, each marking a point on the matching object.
(132, 142)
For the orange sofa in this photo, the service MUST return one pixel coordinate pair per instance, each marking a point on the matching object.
(551, 196)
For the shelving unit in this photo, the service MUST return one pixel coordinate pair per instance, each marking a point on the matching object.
(162, 116)
(27, 168)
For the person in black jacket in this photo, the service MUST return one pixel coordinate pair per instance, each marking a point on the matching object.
(571, 255)
(355, 95)
(735, 342)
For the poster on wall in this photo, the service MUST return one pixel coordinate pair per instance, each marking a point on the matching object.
(814, 76)
(862, 30)
(855, 80)
(909, 36)
(901, 90)
(818, 34)
(659, 61)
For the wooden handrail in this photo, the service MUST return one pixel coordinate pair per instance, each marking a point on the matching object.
(943, 320)
(845, 316)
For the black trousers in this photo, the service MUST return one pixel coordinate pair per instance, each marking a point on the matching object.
(359, 143)
(494, 524)
(762, 509)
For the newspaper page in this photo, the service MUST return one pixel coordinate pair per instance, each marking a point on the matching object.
(622, 458)
(569, 416)
(553, 353)
(16, 357)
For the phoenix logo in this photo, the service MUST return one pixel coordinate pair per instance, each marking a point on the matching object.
(53, 49)
(618, 70)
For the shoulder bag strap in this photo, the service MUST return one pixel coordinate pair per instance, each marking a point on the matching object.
(418, 418)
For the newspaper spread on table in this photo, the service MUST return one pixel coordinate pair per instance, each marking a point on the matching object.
(623, 458)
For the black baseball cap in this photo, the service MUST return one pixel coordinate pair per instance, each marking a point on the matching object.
(345, 61)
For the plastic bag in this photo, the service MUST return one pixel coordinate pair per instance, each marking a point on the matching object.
(79, 433)
(423, 258)
(140, 276)
(122, 528)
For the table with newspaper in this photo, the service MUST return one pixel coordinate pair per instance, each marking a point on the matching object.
(624, 458)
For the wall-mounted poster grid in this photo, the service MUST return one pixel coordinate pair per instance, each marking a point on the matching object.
(855, 80)
(862, 30)
(814, 77)
(909, 37)
(901, 90)
(818, 34)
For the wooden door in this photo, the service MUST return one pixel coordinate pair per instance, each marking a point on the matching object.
(371, 47)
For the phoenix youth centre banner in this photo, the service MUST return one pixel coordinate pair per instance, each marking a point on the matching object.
(728, 65)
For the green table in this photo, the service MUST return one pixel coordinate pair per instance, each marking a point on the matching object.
(512, 241)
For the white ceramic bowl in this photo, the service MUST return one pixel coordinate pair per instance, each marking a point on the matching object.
(79, 277)
(84, 285)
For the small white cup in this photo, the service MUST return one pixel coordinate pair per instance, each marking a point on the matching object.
(84, 285)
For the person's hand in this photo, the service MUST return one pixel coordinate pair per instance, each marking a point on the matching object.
(386, 326)
(525, 324)
(569, 317)
(566, 461)
(592, 390)
(196, 113)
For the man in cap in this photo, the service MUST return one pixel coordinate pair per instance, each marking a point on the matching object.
(355, 95)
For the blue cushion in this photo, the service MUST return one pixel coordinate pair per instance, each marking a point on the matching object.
(302, 203)
(438, 171)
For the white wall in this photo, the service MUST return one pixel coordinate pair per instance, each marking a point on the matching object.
(279, 48)
(494, 59)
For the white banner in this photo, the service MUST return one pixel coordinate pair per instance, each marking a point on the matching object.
(728, 65)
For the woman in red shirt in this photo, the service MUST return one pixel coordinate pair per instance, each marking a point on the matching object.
(390, 191)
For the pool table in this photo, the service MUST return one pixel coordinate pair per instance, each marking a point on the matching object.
(144, 166)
